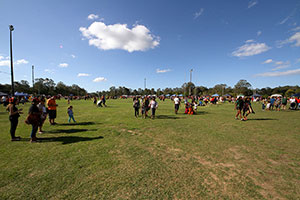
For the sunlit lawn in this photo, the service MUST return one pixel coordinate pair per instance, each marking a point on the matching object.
(110, 154)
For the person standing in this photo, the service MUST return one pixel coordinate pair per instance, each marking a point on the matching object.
(284, 103)
(177, 104)
(153, 105)
(35, 121)
(136, 106)
(147, 107)
(42, 108)
(14, 114)
(51, 103)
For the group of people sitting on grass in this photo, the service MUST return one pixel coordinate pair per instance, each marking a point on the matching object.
(36, 117)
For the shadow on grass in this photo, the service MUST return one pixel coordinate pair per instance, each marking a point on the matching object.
(262, 119)
(69, 139)
(68, 131)
(65, 139)
(77, 124)
(166, 117)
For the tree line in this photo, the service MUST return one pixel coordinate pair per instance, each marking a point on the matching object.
(49, 87)
(188, 89)
(44, 86)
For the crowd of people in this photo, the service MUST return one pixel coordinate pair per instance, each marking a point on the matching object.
(40, 109)
(145, 104)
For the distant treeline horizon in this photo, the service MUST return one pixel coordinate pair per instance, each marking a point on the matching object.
(46, 86)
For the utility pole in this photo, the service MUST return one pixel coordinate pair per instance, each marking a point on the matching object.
(190, 88)
(11, 28)
(32, 76)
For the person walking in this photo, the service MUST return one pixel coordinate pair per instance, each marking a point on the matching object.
(153, 105)
(239, 105)
(176, 103)
(51, 103)
(35, 119)
(14, 114)
(71, 114)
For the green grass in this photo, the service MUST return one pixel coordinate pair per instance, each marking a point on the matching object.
(110, 154)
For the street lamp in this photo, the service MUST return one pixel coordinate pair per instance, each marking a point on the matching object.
(11, 28)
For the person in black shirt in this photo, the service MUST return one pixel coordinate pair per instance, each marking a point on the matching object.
(14, 114)
(35, 114)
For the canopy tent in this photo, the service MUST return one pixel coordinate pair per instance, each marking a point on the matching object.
(215, 95)
(21, 94)
(295, 95)
(167, 95)
(256, 95)
(227, 95)
(181, 95)
(173, 95)
(276, 95)
(240, 95)
(3, 94)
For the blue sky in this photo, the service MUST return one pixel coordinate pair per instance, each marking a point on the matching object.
(99, 44)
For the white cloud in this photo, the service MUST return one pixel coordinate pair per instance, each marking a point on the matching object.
(92, 17)
(63, 65)
(285, 73)
(249, 41)
(22, 61)
(267, 61)
(259, 33)
(281, 65)
(198, 14)
(5, 61)
(83, 74)
(162, 70)
(295, 38)
(285, 20)
(119, 36)
(252, 3)
(73, 56)
(296, 29)
(99, 79)
(50, 71)
(250, 49)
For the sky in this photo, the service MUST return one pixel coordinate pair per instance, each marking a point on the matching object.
(97, 44)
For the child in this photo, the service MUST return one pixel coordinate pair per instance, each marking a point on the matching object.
(70, 113)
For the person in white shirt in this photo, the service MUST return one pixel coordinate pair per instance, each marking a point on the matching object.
(177, 103)
(153, 105)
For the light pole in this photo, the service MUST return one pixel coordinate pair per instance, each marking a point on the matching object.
(190, 87)
(11, 28)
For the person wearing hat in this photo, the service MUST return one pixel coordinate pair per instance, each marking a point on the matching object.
(35, 114)
(14, 114)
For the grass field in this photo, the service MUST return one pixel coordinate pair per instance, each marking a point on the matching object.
(109, 154)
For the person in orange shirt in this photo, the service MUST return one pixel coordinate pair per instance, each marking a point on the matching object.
(51, 103)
